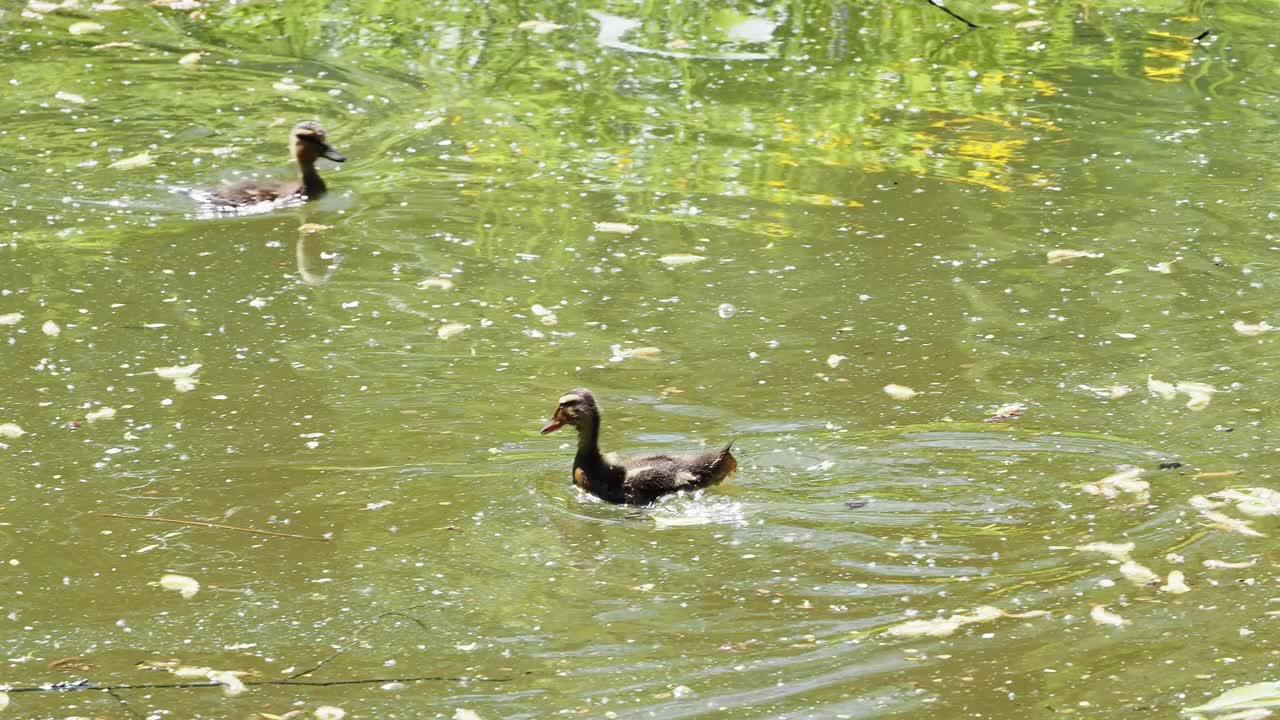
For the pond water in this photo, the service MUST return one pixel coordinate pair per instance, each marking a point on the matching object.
(730, 221)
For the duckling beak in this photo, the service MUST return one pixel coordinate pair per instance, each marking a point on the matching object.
(331, 154)
(556, 423)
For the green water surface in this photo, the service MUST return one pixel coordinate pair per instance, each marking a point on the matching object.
(871, 192)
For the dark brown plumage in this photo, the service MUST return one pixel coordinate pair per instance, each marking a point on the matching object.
(634, 481)
(307, 143)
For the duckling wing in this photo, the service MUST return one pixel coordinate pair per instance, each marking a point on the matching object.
(648, 478)
(251, 192)
(649, 469)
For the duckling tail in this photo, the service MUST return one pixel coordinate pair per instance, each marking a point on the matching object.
(727, 462)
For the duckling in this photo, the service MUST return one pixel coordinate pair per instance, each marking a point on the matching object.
(635, 481)
(307, 143)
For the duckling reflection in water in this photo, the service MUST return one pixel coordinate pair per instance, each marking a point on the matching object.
(634, 481)
(308, 144)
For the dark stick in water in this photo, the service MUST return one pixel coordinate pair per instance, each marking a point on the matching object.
(952, 13)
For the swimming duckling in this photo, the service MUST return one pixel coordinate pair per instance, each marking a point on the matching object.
(308, 144)
(635, 481)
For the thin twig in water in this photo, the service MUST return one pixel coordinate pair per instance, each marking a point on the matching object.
(356, 636)
(201, 523)
(949, 11)
(311, 683)
(290, 680)
(1201, 36)
(125, 704)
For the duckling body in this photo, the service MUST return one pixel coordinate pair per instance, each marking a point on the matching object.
(308, 144)
(634, 481)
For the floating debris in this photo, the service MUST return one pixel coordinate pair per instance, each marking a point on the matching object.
(105, 413)
(44, 8)
(542, 27)
(899, 392)
(11, 431)
(464, 714)
(833, 361)
(85, 28)
(1006, 412)
(438, 283)
(1117, 551)
(232, 685)
(1223, 521)
(545, 316)
(1137, 573)
(1252, 501)
(71, 664)
(181, 375)
(11, 318)
(449, 330)
(1200, 394)
(192, 58)
(1103, 616)
(1161, 388)
(142, 159)
(616, 228)
(1121, 482)
(1245, 328)
(181, 584)
(329, 712)
(642, 353)
(69, 97)
(1114, 392)
(1176, 584)
(1246, 697)
(1164, 268)
(310, 228)
(1062, 255)
(1224, 565)
(1215, 474)
(678, 259)
(942, 627)
(50, 328)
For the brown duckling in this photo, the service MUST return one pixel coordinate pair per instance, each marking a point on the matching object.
(307, 143)
(634, 481)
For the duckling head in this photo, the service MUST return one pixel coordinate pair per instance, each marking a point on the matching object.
(309, 144)
(577, 408)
